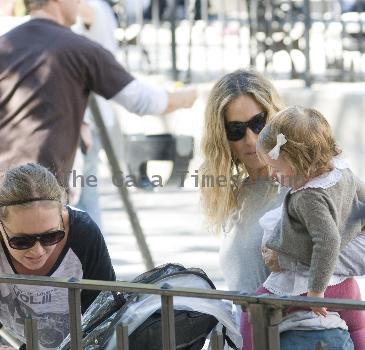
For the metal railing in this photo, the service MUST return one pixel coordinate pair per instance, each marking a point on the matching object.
(265, 310)
(306, 39)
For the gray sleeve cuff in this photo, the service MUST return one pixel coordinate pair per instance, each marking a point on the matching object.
(351, 260)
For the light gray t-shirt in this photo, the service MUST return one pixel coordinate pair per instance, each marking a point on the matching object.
(85, 255)
(240, 253)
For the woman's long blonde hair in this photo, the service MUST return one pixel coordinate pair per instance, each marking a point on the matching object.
(219, 202)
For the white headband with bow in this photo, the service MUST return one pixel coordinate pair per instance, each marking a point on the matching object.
(280, 140)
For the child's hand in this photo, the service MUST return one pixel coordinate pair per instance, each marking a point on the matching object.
(319, 311)
(271, 259)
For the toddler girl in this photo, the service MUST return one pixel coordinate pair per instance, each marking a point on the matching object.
(318, 216)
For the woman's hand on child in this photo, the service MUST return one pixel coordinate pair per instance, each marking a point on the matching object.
(319, 311)
(271, 259)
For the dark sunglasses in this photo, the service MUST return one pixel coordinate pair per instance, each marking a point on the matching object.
(28, 241)
(237, 130)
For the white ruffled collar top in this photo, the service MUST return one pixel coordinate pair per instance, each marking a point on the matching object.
(327, 179)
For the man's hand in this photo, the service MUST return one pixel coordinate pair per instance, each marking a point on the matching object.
(319, 311)
(181, 98)
(4, 347)
(271, 259)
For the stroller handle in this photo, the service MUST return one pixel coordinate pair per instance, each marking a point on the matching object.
(11, 339)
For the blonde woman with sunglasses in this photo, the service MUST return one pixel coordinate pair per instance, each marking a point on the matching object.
(238, 108)
(239, 105)
(41, 236)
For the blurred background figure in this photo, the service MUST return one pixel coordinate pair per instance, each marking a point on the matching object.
(353, 6)
(97, 22)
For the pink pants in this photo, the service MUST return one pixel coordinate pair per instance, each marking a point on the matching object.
(354, 319)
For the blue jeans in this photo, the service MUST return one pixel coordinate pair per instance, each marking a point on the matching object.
(334, 339)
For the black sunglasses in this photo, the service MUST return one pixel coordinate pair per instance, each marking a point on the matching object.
(237, 130)
(28, 241)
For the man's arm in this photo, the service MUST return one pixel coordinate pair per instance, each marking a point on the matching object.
(142, 98)
(106, 77)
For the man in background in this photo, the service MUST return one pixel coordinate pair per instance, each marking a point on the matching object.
(46, 75)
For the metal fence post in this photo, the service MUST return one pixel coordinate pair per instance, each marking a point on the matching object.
(307, 28)
(175, 72)
(258, 317)
(122, 337)
(74, 304)
(191, 17)
(156, 24)
(264, 311)
(275, 317)
(216, 340)
(140, 22)
(168, 323)
(31, 333)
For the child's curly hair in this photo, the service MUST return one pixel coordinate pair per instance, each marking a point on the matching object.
(310, 144)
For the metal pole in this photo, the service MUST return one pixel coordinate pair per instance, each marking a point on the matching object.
(122, 19)
(156, 24)
(205, 19)
(240, 23)
(308, 25)
(74, 304)
(359, 37)
(251, 7)
(259, 321)
(275, 317)
(31, 334)
(173, 40)
(222, 19)
(216, 340)
(140, 23)
(342, 39)
(10, 338)
(268, 43)
(191, 16)
(123, 191)
(122, 337)
(168, 323)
